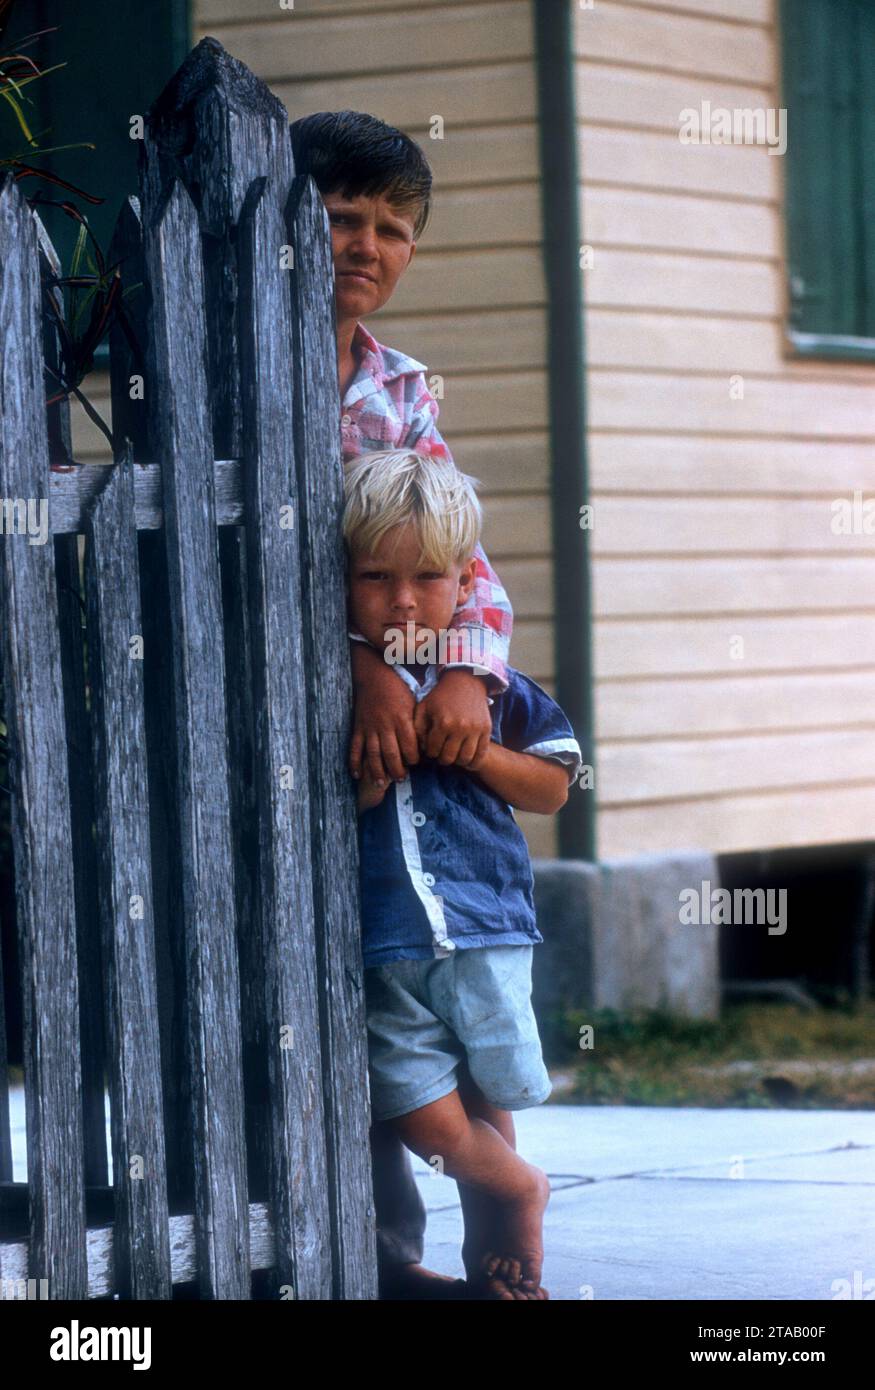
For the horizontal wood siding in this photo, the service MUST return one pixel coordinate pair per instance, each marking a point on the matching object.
(734, 630)
(473, 303)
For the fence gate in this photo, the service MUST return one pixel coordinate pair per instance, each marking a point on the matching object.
(176, 688)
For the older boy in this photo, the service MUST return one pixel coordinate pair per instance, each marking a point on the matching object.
(448, 920)
(376, 186)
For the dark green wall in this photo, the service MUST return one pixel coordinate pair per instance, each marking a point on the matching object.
(118, 55)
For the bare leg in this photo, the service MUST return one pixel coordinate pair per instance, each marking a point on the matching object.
(475, 1153)
(401, 1225)
(481, 1213)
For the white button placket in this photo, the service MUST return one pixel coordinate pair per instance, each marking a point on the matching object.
(422, 883)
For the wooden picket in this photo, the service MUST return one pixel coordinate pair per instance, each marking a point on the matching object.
(34, 713)
(202, 946)
(328, 700)
(141, 1242)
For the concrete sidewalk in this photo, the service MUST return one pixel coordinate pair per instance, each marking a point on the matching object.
(659, 1203)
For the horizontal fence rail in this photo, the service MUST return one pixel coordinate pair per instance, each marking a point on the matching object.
(71, 495)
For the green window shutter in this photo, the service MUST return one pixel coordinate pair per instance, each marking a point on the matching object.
(118, 55)
(828, 90)
(866, 61)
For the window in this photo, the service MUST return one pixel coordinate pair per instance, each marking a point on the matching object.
(829, 93)
(119, 54)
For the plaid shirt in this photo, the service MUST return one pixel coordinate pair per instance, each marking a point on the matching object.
(389, 406)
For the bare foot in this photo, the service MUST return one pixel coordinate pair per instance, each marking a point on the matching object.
(401, 1282)
(496, 1281)
(489, 1276)
(513, 1270)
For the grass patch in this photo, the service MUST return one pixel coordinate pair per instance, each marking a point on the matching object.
(768, 1055)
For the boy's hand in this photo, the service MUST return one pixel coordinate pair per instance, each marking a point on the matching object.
(453, 722)
(369, 794)
(383, 737)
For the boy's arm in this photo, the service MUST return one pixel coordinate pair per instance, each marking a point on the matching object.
(487, 615)
(453, 722)
(535, 756)
(524, 780)
(383, 737)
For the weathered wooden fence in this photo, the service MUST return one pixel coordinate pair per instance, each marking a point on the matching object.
(183, 823)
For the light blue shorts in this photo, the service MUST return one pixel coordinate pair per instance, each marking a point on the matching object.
(426, 1016)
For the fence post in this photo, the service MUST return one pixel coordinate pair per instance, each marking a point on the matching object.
(334, 840)
(287, 931)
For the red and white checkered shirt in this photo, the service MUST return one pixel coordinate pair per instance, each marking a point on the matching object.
(389, 406)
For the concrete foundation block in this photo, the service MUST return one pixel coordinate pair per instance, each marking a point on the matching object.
(613, 938)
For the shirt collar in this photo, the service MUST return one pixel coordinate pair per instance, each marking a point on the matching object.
(377, 365)
(428, 684)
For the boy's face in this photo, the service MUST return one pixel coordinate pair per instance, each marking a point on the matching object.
(390, 588)
(373, 245)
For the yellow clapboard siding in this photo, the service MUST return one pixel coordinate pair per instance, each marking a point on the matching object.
(829, 815)
(496, 216)
(456, 343)
(711, 463)
(663, 431)
(516, 526)
(532, 648)
(682, 342)
(541, 834)
(228, 11)
(504, 463)
(231, 11)
(694, 343)
(505, 401)
(660, 161)
(653, 99)
(681, 43)
(733, 705)
(644, 280)
(624, 588)
(484, 155)
(463, 96)
(441, 280)
(690, 646)
(90, 445)
(753, 11)
(428, 38)
(711, 525)
(529, 585)
(679, 222)
(637, 400)
(671, 768)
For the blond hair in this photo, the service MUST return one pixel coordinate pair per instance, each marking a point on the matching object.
(396, 486)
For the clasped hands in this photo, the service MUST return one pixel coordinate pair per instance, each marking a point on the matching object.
(391, 730)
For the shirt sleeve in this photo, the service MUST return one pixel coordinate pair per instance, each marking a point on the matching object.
(531, 722)
(486, 619)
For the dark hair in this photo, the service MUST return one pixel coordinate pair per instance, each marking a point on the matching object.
(353, 153)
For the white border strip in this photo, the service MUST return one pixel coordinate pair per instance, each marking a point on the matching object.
(410, 849)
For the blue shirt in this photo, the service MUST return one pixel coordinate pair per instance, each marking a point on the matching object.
(443, 862)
